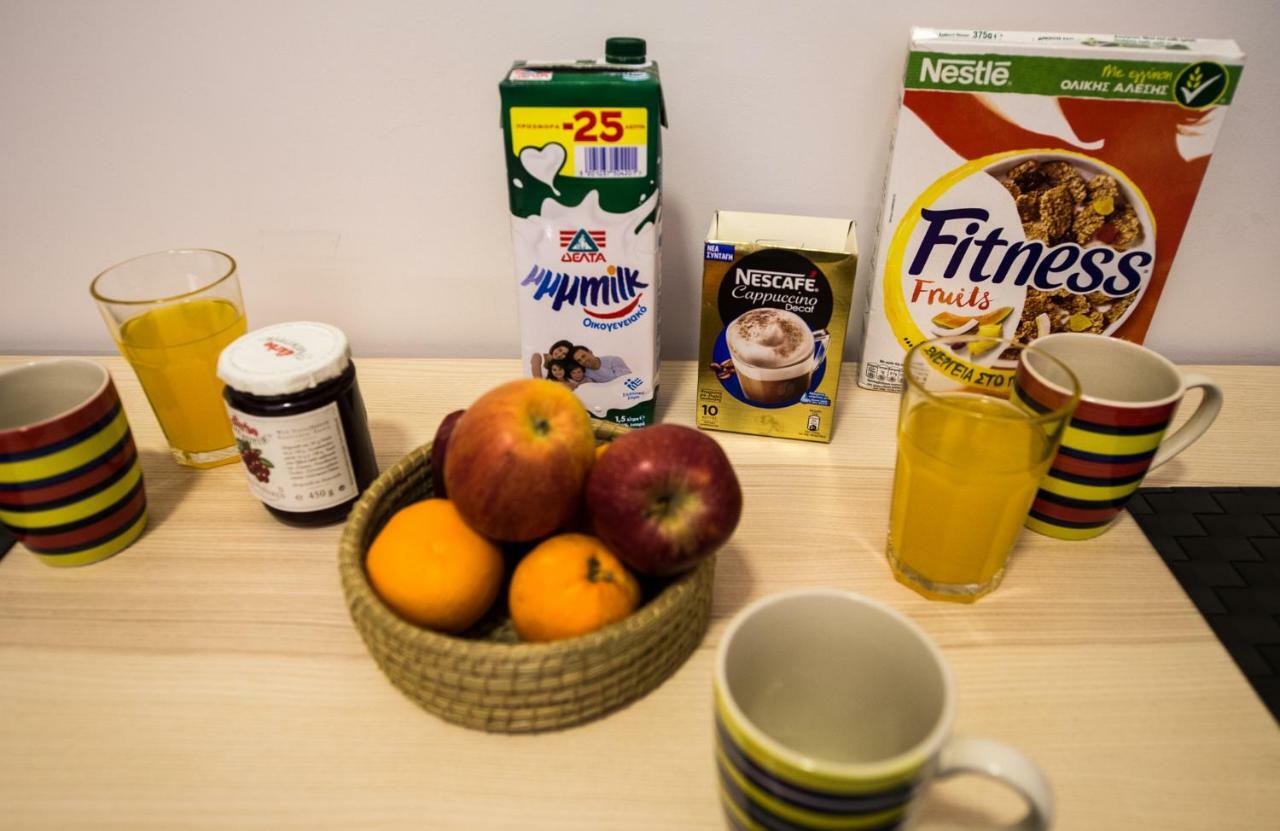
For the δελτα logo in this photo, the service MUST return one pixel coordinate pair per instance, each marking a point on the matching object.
(582, 246)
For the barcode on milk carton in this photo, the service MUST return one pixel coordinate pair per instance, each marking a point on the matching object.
(604, 162)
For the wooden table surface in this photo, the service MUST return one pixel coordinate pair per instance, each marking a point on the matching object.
(209, 676)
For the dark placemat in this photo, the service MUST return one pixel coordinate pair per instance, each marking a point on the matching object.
(6, 541)
(1223, 545)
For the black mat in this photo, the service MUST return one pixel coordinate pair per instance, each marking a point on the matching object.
(6, 542)
(1223, 545)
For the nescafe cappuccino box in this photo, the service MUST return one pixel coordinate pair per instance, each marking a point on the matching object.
(776, 292)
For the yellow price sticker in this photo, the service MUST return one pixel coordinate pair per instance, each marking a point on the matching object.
(599, 142)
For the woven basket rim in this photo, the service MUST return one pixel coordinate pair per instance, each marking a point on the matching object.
(356, 584)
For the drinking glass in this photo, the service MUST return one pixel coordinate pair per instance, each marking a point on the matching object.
(171, 313)
(972, 450)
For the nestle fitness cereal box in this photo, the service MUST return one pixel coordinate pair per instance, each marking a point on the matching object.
(1040, 183)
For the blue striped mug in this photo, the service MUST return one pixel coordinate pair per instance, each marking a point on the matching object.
(833, 711)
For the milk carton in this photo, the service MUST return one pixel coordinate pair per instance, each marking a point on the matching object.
(584, 176)
(1040, 183)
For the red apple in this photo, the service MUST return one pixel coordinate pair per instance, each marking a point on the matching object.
(663, 498)
(439, 446)
(518, 459)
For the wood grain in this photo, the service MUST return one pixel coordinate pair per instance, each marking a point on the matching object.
(209, 676)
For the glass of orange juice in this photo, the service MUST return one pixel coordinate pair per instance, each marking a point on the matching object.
(171, 314)
(971, 453)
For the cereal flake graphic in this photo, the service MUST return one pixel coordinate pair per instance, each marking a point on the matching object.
(1057, 204)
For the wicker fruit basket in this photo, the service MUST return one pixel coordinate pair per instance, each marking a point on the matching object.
(490, 682)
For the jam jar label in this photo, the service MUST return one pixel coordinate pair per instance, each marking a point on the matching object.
(296, 463)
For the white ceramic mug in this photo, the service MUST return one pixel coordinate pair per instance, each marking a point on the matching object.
(833, 710)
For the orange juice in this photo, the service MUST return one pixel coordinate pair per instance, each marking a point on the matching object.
(174, 351)
(968, 469)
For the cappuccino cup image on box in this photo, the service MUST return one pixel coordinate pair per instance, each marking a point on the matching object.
(774, 355)
(775, 305)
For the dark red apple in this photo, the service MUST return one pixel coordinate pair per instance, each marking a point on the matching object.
(439, 446)
(663, 498)
(518, 459)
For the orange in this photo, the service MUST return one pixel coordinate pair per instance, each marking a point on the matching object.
(432, 569)
(569, 585)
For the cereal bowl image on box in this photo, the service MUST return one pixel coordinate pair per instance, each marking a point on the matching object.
(1072, 198)
(1017, 246)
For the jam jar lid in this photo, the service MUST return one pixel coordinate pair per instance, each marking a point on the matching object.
(284, 358)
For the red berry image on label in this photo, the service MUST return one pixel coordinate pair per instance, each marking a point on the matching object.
(259, 467)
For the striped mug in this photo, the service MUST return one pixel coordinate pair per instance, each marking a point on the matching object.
(70, 482)
(835, 711)
(1117, 434)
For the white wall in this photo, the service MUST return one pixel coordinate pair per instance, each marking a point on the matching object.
(349, 154)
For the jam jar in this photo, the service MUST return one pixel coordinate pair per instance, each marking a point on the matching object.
(298, 420)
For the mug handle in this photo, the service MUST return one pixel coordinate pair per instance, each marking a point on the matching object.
(820, 339)
(1007, 764)
(1187, 434)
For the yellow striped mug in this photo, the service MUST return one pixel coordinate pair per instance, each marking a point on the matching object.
(70, 481)
(833, 711)
(1129, 394)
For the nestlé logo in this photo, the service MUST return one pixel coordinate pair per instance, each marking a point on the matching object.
(965, 72)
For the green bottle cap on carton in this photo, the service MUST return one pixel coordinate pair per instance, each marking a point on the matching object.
(624, 50)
